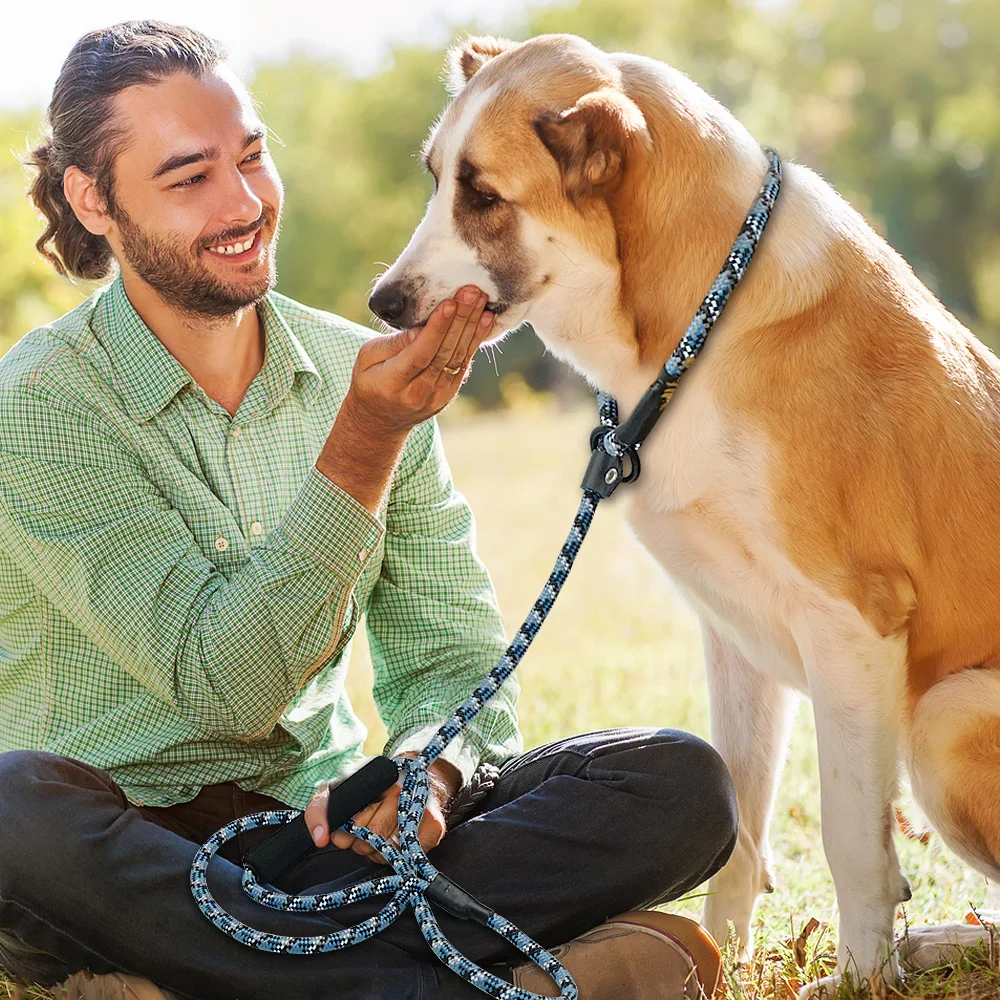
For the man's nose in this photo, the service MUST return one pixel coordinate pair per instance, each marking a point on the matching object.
(388, 303)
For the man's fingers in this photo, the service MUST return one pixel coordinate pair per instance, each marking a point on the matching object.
(419, 353)
(439, 342)
(472, 337)
(431, 830)
(482, 332)
(378, 350)
(342, 839)
(364, 817)
(471, 302)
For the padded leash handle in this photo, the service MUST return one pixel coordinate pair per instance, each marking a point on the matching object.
(282, 849)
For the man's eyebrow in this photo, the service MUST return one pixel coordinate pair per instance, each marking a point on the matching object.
(208, 153)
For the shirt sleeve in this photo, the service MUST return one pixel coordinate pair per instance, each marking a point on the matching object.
(433, 620)
(100, 540)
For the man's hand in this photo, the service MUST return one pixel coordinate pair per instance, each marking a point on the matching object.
(399, 381)
(381, 816)
(408, 377)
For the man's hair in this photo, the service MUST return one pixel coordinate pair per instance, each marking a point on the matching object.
(81, 129)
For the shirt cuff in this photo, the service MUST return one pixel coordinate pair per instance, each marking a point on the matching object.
(329, 524)
(462, 753)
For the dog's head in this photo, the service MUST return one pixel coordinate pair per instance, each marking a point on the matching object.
(537, 136)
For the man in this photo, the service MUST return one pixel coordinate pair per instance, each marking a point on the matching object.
(186, 546)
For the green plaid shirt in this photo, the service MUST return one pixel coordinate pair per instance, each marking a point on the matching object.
(179, 587)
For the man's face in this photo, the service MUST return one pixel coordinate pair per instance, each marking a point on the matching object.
(194, 177)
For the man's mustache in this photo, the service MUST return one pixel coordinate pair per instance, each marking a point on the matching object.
(234, 235)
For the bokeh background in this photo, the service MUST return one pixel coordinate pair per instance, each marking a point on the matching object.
(895, 103)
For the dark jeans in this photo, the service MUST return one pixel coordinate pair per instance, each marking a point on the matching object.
(573, 833)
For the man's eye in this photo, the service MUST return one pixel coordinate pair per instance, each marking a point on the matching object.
(191, 181)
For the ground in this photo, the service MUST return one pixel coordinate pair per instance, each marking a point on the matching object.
(621, 648)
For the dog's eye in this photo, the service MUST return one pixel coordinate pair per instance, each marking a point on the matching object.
(478, 198)
(483, 199)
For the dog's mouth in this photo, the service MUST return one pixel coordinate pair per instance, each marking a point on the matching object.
(497, 308)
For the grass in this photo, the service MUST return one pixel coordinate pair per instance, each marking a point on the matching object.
(621, 648)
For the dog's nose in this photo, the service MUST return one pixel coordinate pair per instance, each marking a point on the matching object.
(388, 303)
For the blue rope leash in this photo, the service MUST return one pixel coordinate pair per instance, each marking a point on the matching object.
(416, 881)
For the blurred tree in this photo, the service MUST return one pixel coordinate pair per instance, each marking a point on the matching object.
(903, 115)
(895, 102)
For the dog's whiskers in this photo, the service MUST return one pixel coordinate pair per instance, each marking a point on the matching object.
(379, 275)
(380, 324)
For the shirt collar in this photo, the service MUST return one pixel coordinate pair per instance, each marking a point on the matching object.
(285, 357)
(147, 376)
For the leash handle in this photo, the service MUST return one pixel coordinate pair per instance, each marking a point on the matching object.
(282, 849)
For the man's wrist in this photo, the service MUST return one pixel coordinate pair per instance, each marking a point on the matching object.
(444, 776)
(360, 457)
(448, 775)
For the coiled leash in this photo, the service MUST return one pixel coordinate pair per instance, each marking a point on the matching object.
(416, 881)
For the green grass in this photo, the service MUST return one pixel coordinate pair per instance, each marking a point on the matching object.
(621, 648)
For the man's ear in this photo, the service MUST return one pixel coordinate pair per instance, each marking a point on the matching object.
(86, 202)
(592, 140)
(467, 58)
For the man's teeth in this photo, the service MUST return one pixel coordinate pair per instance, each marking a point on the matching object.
(233, 247)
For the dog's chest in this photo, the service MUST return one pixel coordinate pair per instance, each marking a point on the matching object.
(702, 509)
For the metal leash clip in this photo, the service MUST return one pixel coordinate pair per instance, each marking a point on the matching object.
(606, 470)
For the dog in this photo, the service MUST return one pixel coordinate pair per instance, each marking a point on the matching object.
(823, 488)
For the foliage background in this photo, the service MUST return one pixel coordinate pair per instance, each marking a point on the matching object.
(897, 104)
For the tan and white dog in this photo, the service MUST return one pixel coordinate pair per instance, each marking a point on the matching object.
(824, 487)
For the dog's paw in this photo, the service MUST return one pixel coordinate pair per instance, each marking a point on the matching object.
(821, 989)
(827, 989)
(941, 944)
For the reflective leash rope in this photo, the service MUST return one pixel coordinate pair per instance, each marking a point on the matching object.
(417, 882)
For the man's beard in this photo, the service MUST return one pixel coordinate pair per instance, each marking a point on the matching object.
(182, 282)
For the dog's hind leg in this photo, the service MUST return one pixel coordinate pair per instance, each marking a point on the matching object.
(857, 680)
(954, 762)
(751, 719)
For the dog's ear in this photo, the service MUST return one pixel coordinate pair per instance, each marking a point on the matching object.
(591, 140)
(468, 57)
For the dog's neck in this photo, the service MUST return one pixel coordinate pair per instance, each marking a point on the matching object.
(628, 312)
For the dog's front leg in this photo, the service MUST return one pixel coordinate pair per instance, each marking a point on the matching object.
(856, 679)
(751, 717)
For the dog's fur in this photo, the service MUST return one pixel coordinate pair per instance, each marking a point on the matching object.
(824, 485)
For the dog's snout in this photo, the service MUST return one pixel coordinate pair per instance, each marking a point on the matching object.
(388, 303)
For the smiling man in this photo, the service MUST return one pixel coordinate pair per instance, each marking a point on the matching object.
(204, 485)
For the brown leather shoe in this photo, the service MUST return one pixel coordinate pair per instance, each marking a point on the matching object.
(84, 985)
(641, 955)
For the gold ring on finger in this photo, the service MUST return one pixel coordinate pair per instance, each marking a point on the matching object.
(451, 371)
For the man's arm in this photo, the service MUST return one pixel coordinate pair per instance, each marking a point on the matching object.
(434, 625)
(435, 631)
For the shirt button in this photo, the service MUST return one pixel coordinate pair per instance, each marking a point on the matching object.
(222, 543)
(256, 527)
(362, 555)
(235, 433)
